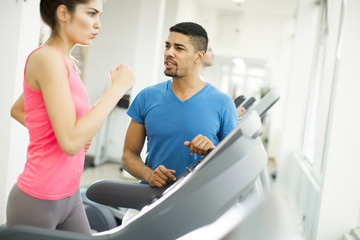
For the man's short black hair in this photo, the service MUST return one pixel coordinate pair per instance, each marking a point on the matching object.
(197, 34)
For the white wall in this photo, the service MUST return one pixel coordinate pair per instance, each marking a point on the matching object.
(259, 35)
(113, 46)
(340, 199)
(186, 11)
(22, 35)
(295, 96)
(327, 203)
(302, 186)
(268, 37)
(140, 45)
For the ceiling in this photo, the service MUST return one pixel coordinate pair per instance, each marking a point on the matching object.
(276, 7)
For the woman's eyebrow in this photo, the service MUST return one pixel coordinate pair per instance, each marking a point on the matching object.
(94, 9)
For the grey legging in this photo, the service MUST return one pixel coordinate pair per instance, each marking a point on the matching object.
(65, 214)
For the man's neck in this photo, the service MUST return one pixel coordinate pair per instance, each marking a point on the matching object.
(186, 87)
(202, 68)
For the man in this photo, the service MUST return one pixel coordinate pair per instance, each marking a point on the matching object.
(208, 62)
(208, 59)
(181, 118)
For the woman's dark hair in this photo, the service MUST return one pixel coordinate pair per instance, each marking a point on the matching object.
(48, 9)
(197, 34)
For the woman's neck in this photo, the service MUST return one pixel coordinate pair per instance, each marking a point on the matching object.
(61, 44)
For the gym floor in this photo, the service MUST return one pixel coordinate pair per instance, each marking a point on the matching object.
(108, 170)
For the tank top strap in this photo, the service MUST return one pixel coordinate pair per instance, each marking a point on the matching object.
(68, 65)
(71, 68)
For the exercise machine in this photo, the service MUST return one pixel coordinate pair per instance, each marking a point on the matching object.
(235, 169)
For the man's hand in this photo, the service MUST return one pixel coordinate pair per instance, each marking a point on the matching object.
(241, 111)
(161, 176)
(200, 145)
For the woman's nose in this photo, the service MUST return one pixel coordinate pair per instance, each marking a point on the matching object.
(97, 24)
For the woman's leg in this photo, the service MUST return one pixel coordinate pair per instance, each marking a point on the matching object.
(22, 209)
(76, 219)
(66, 214)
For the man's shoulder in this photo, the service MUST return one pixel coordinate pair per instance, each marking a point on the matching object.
(214, 90)
(157, 86)
(153, 91)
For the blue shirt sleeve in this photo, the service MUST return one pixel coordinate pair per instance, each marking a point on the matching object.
(229, 119)
(137, 107)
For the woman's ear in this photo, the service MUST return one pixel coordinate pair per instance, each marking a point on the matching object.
(62, 13)
(200, 57)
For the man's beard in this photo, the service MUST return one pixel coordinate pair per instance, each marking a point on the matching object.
(170, 73)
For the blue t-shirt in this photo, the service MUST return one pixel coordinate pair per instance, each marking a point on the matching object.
(169, 122)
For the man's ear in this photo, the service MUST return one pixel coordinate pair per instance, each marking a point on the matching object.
(199, 57)
(62, 13)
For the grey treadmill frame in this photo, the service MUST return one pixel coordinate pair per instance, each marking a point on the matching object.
(196, 199)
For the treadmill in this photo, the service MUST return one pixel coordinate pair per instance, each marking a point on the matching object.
(201, 195)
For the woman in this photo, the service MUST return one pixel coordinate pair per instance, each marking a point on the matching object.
(55, 108)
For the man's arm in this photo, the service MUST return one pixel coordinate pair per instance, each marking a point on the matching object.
(18, 110)
(132, 162)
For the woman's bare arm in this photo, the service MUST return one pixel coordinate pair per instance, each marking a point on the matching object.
(47, 72)
(18, 110)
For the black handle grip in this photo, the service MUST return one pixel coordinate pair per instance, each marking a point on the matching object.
(249, 102)
(239, 100)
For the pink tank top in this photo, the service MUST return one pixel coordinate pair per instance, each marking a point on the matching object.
(49, 173)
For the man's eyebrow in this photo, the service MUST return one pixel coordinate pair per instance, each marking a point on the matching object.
(176, 44)
(180, 45)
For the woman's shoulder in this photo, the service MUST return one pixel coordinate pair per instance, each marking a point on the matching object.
(45, 54)
(45, 58)
(44, 65)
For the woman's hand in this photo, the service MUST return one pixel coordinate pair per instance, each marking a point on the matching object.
(122, 76)
(87, 146)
